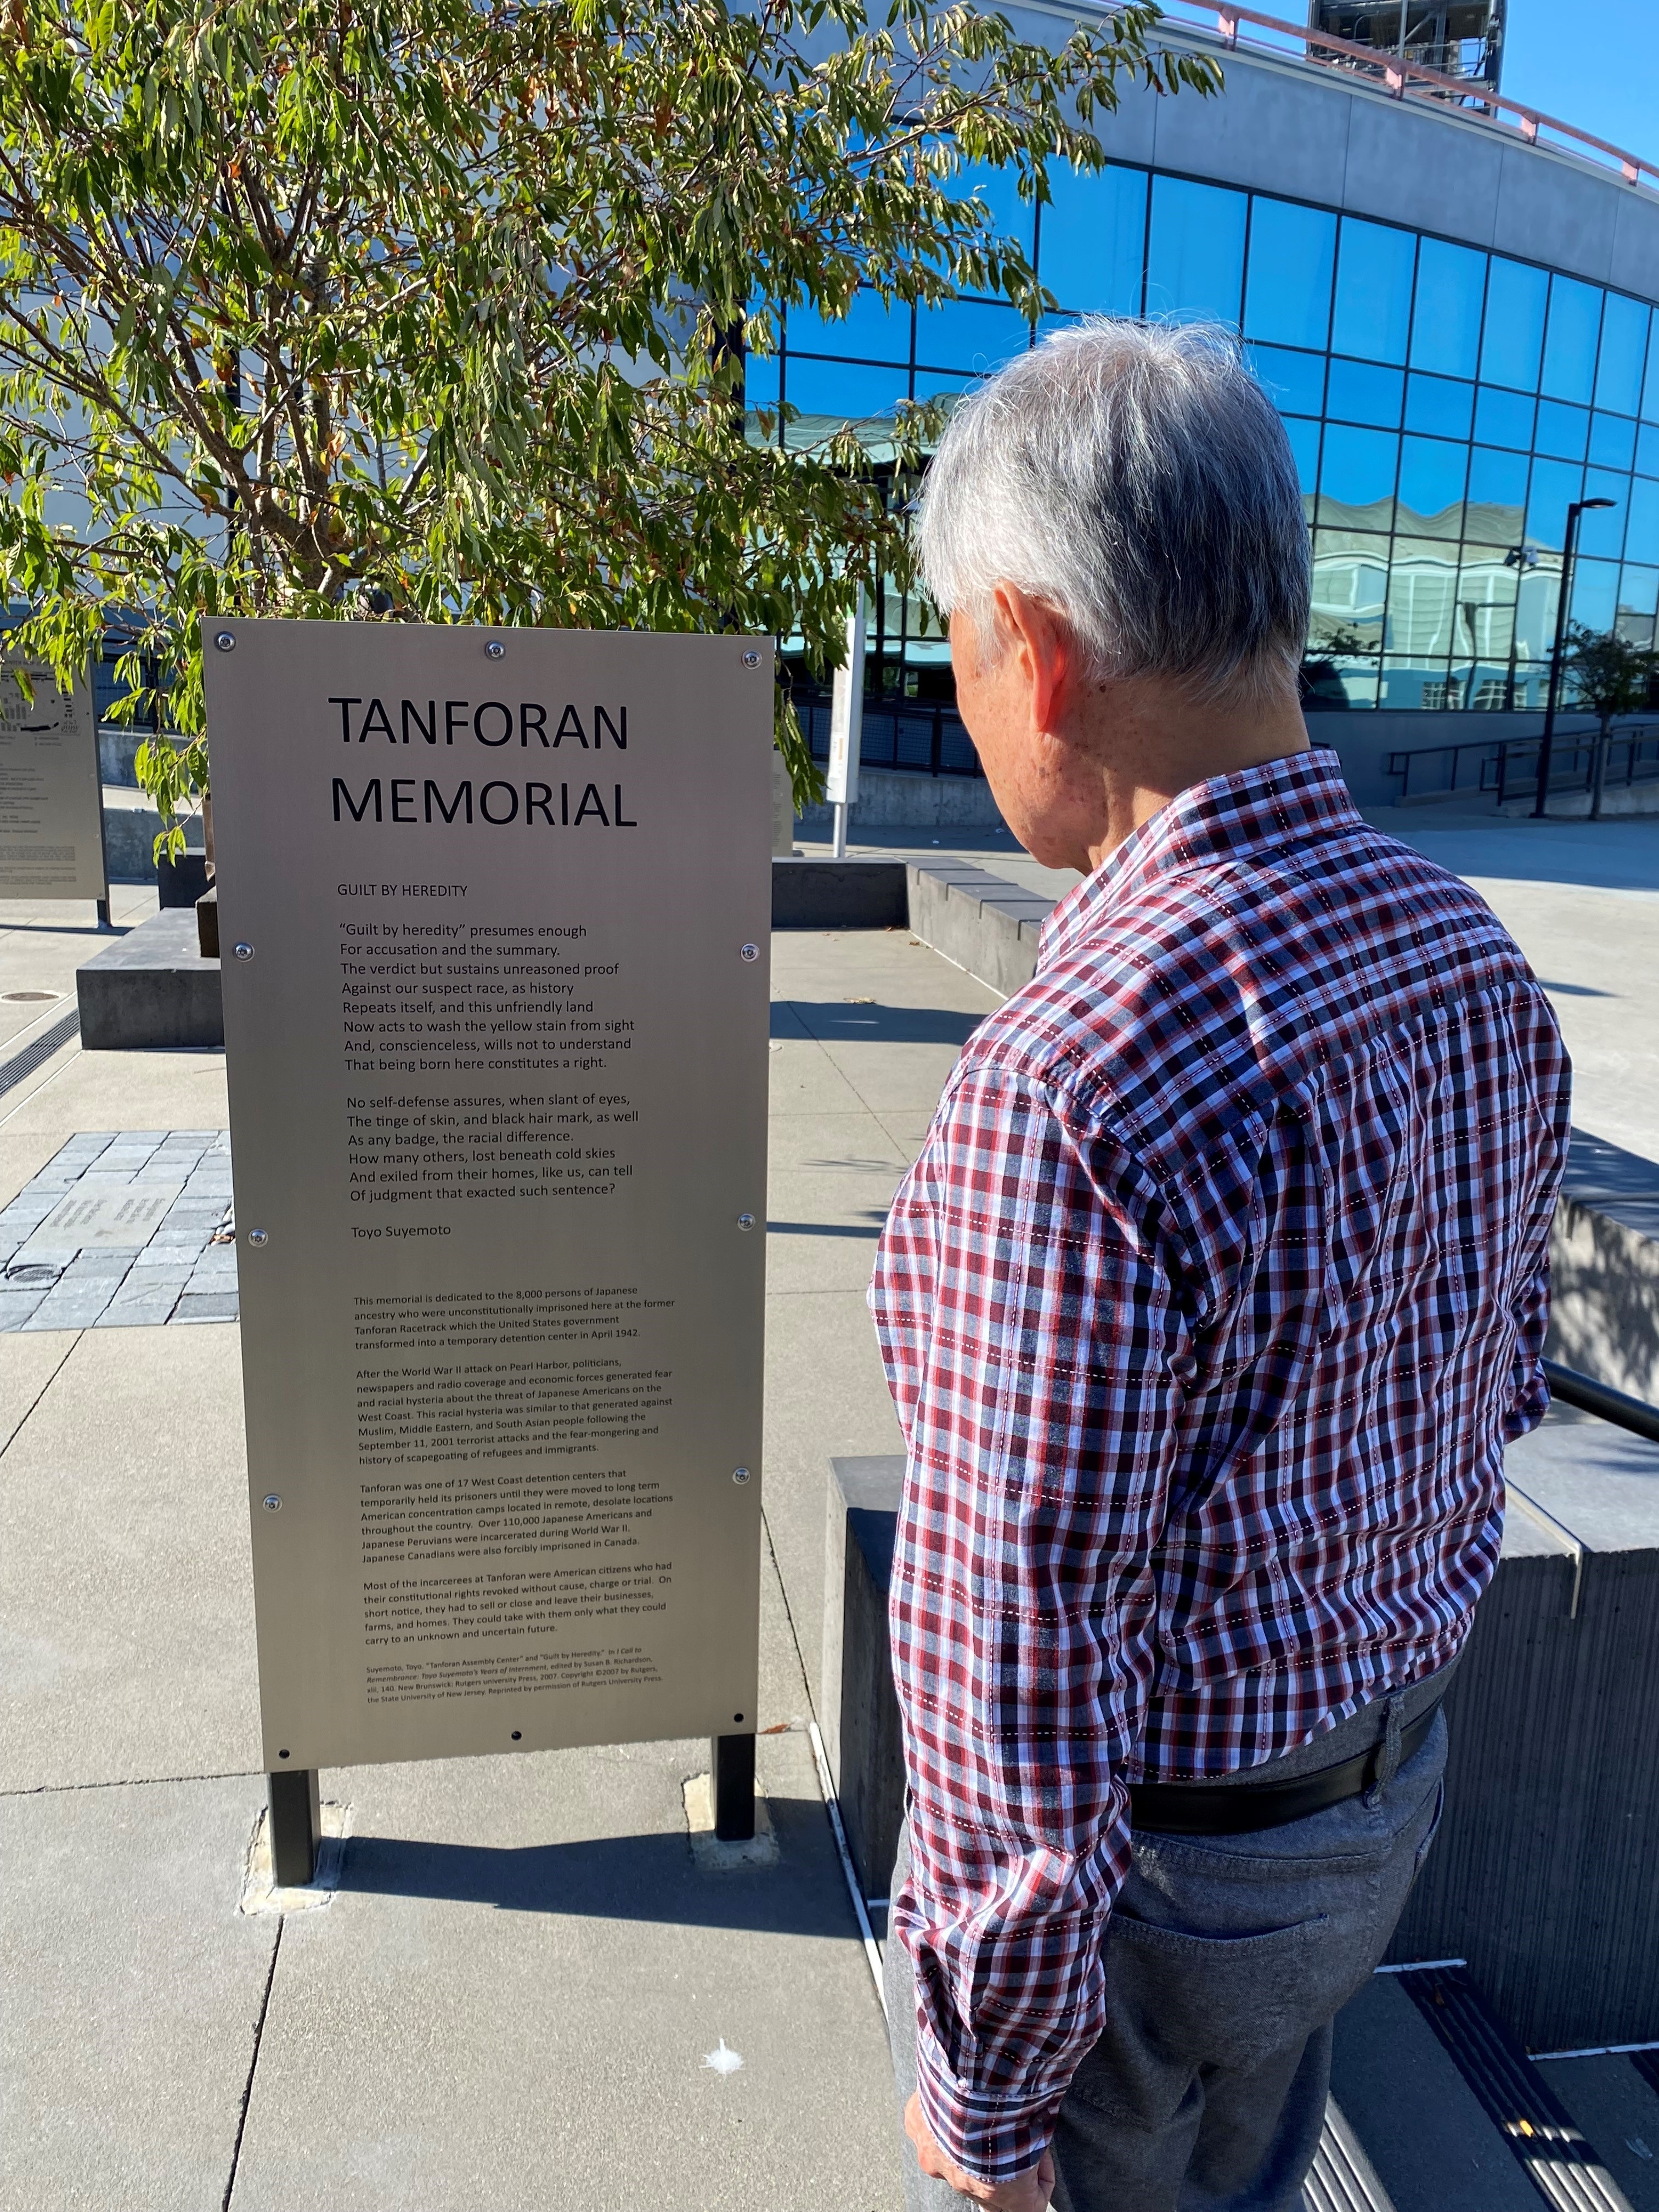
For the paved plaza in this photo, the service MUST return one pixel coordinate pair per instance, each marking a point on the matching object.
(525, 1990)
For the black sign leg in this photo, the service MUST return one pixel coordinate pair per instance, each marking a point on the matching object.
(732, 1769)
(296, 1826)
(104, 921)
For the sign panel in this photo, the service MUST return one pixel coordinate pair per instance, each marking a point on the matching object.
(494, 910)
(52, 798)
(840, 780)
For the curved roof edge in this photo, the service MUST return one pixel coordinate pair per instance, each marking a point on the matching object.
(1311, 132)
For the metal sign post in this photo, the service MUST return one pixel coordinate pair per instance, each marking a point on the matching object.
(52, 798)
(495, 909)
(841, 782)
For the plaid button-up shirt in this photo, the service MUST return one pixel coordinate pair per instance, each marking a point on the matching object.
(1208, 1307)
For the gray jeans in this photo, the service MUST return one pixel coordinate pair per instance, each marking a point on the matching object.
(1227, 1958)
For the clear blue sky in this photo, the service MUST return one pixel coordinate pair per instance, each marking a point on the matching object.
(1595, 63)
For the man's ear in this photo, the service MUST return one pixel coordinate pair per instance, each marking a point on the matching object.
(1046, 655)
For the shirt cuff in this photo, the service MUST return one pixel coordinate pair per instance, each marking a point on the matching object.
(993, 2138)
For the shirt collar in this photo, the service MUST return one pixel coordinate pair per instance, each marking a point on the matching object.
(1298, 797)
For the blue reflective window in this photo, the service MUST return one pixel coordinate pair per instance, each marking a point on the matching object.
(870, 331)
(1601, 532)
(1432, 472)
(1360, 391)
(1195, 266)
(839, 389)
(1613, 440)
(1504, 418)
(1647, 449)
(1446, 328)
(1642, 532)
(1495, 478)
(1373, 290)
(1358, 467)
(940, 383)
(1287, 300)
(1562, 431)
(1651, 385)
(1624, 349)
(1554, 484)
(1304, 444)
(1513, 339)
(1638, 595)
(969, 334)
(1439, 406)
(1570, 340)
(998, 190)
(1295, 382)
(1091, 243)
(1595, 594)
(761, 381)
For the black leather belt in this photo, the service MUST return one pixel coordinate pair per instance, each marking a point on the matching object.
(1238, 1809)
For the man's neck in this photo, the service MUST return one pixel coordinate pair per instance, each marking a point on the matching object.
(1149, 745)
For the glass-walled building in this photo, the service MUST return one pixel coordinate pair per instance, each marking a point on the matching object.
(1446, 402)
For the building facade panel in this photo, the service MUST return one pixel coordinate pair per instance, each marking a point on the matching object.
(1285, 131)
(1550, 209)
(1407, 165)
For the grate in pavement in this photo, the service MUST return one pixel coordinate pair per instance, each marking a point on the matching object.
(1559, 2159)
(24, 1063)
(122, 1229)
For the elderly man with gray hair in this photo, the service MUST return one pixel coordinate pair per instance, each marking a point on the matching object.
(1209, 1308)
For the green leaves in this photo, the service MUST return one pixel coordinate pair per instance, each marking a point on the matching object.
(438, 308)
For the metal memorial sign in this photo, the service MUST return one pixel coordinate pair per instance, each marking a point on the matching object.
(52, 800)
(494, 911)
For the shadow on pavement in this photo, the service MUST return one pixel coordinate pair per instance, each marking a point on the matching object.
(863, 1024)
(648, 1878)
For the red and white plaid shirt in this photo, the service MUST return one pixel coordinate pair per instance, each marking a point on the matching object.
(1207, 1307)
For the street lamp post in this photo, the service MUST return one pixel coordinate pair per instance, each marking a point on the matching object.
(1575, 508)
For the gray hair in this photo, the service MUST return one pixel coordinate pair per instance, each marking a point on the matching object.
(1136, 477)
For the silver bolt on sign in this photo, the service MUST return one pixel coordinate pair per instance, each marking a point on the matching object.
(495, 650)
(273, 1503)
(243, 951)
(745, 1221)
(751, 659)
(226, 640)
(739, 1475)
(749, 951)
(258, 1236)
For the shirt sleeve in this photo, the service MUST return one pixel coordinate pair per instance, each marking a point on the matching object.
(1029, 1302)
(1529, 1394)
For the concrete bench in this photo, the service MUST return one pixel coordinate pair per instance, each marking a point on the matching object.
(151, 989)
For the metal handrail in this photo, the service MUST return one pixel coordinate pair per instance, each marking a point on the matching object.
(1503, 763)
(1399, 78)
(1601, 1399)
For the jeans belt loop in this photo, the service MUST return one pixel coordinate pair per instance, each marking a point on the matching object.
(1387, 1753)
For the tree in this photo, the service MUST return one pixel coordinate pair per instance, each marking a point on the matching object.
(437, 310)
(1609, 676)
